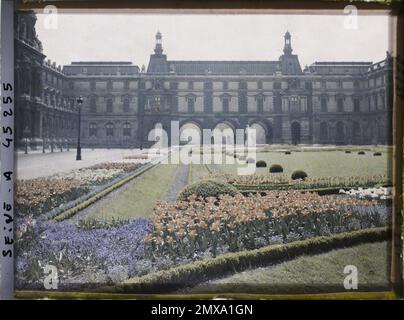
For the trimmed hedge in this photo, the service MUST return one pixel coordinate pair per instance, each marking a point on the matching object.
(204, 270)
(275, 168)
(347, 151)
(263, 189)
(377, 154)
(288, 152)
(361, 152)
(299, 174)
(261, 164)
(207, 188)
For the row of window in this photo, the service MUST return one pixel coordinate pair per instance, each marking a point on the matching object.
(109, 104)
(372, 101)
(109, 85)
(110, 129)
(208, 85)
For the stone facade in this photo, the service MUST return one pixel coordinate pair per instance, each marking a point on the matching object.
(325, 103)
(44, 113)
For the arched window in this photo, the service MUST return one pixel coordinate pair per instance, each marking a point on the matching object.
(127, 128)
(109, 128)
(92, 132)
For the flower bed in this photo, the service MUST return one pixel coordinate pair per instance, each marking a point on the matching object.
(127, 167)
(41, 195)
(278, 181)
(37, 196)
(110, 252)
(212, 226)
(137, 157)
(89, 176)
(370, 193)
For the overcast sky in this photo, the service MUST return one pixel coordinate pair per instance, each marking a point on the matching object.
(130, 37)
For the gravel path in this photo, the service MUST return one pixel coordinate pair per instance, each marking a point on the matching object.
(180, 181)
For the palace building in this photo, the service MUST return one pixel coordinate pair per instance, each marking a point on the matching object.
(324, 103)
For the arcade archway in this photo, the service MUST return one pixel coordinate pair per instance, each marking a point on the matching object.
(190, 133)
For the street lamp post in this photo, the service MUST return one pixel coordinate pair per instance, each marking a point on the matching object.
(79, 103)
(43, 144)
(51, 141)
(26, 133)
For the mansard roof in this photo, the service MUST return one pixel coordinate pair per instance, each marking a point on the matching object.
(339, 67)
(101, 68)
(182, 67)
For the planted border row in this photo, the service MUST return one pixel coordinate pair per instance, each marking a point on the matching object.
(201, 271)
(270, 187)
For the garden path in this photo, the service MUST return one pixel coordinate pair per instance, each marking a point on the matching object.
(34, 165)
(179, 182)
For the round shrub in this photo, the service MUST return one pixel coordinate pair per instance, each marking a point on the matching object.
(361, 152)
(276, 168)
(261, 164)
(207, 188)
(250, 160)
(347, 151)
(287, 152)
(377, 154)
(299, 174)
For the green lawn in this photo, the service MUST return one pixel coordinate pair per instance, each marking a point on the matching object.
(198, 172)
(310, 274)
(139, 197)
(320, 163)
